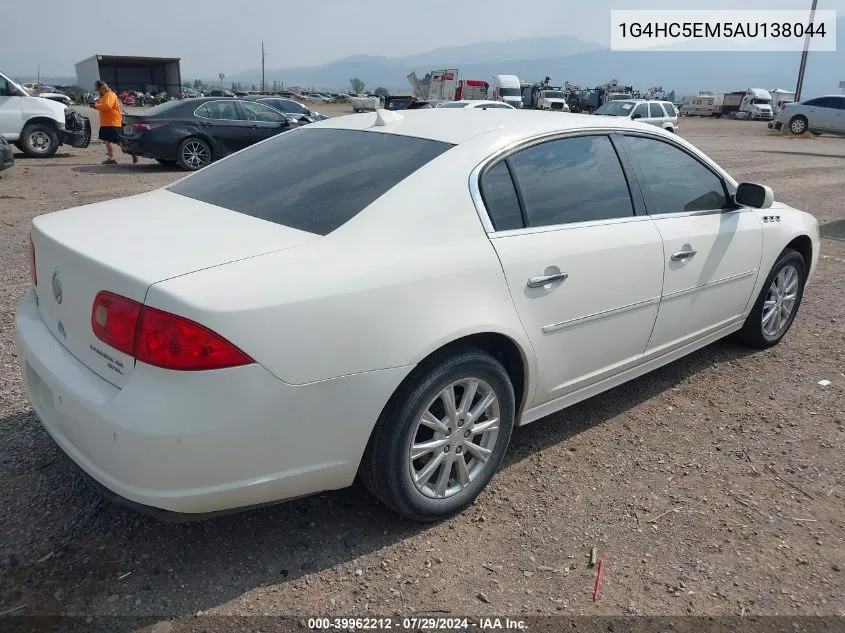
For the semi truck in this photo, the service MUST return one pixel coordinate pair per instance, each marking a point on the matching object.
(543, 96)
(754, 104)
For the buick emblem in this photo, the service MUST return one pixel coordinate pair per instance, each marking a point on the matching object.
(57, 287)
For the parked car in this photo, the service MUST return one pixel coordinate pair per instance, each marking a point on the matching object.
(660, 113)
(7, 157)
(820, 114)
(195, 132)
(270, 326)
(39, 126)
(485, 105)
(289, 106)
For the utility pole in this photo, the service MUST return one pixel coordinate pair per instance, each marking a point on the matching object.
(39, 73)
(263, 59)
(803, 65)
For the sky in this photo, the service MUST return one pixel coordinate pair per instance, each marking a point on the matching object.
(214, 36)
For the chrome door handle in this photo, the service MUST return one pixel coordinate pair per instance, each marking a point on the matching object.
(543, 280)
(680, 256)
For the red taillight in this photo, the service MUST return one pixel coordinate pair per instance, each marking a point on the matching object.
(149, 125)
(159, 338)
(114, 320)
(33, 275)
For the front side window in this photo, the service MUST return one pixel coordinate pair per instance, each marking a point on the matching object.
(641, 111)
(675, 181)
(571, 180)
(312, 180)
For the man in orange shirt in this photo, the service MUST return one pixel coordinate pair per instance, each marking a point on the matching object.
(111, 120)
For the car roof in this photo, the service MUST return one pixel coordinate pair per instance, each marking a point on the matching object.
(456, 125)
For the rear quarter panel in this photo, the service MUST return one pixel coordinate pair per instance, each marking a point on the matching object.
(411, 273)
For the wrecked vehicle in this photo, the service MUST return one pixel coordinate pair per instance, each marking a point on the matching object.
(36, 125)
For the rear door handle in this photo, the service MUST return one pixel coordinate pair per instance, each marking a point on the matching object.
(679, 256)
(205, 124)
(543, 280)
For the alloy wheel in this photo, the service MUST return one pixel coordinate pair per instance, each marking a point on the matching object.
(195, 154)
(780, 301)
(454, 438)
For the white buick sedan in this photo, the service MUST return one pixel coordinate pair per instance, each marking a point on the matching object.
(388, 295)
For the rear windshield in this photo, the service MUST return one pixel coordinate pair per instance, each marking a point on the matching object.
(313, 180)
(161, 108)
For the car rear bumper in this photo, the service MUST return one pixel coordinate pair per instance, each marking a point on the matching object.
(7, 158)
(203, 442)
(146, 148)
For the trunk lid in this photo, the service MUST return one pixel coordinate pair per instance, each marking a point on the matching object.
(125, 246)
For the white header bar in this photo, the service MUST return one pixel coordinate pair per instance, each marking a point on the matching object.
(712, 30)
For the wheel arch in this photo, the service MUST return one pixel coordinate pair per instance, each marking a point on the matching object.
(40, 118)
(504, 348)
(804, 245)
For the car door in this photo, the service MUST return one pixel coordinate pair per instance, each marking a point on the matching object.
(837, 114)
(820, 113)
(640, 113)
(584, 269)
(712, 249)
(11, 113)
(656, 115)
(264, 120)
(225, 125)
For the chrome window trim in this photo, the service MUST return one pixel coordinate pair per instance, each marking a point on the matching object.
(517, 146)
(566, 227)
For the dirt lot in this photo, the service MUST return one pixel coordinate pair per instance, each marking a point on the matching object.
(713, 486)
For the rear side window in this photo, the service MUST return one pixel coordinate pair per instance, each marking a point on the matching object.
(313, 180)
(500, 198)
(572, 180)
(655, 111)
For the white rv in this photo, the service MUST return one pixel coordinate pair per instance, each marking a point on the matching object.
(702, 104)
(780, 98)
(508, 89)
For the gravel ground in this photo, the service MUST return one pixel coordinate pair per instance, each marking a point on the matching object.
(713, 486)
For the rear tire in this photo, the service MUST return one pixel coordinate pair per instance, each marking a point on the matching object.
(768, 322)
(798, 124)
(194, 153)
(39, 140)
(418, 415)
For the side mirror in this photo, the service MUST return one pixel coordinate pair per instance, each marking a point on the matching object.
(749, 194)
(637, 116)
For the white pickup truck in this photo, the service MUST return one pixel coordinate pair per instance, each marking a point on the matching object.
(38, 126)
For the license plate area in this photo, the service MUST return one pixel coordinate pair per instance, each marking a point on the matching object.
(41, 394)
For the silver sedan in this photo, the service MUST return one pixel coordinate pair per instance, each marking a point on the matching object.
(821, 114)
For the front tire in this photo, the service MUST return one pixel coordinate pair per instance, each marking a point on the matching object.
(39, 140)
(776, 307)
(442, 436)
(194, 153)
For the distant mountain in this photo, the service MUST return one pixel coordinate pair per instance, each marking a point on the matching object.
(571, 59)
(391, 71)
